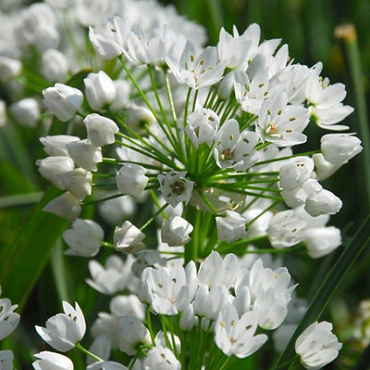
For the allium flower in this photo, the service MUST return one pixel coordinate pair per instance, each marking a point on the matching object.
(131, 179)
(235, 149)
(132, 334)
(175, 231)
(64, 330)
(85, 154)
(26, 112)
(54, 65)
(317, 345)
(63, 101)
(56, 145)
(161, 358)
(128, 238)
(52, 361)
(231, 227)
(84, 239)
(66, 206)
(175, 188)
(236, 336)
(106, 365)
(6, 360)
(8, 318)
(100, 130)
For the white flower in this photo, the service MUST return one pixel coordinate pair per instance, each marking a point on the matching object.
(26, 112)
(8, 318)
(100, 130)
(56, 145)
(84, 239)
(317, 345)
(131, 179)
(175, 231)
(161, 358)
(128, 238)
(85, 154)
(78, 182)
(234, 149)
(202, 126)
(9, 68)
(106, 365)
(175, 188)
(323, 168)
(66, 206)
(188, 319)
(280, 123)
(338, 149)
(299, 195)
(321, 241)
(196, 71)
(111, 279)
(6, 360)
(52, 361)
(323, 202)
(236, 336)
(127, 305)
(100, 90)
(132, 335)
(296, 172)
(231, 227)
(64, 330)
(54, 65)
(3, 115)
(63, 101)
(106, 326)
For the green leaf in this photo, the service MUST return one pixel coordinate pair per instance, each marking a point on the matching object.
(330, 285)
(22, 261)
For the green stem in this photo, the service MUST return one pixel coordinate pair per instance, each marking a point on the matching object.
(158, 212)
(86, 352)
(288, 157)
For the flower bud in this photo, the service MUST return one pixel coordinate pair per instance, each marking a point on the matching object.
(85, 154)
(63, 101)
(323, 168)
(26, 112)
(100, 130)
(84, 239)
(9, 68)
(54, 65)
(188, 320)
(340, 148)
(66, 206)
(322, 241)
(323, 202)
(100, 90)
(128, 238)
(175, 231)
(56, 145)
(131, 179)
(295, 173)
(78, 182)
(231, 227)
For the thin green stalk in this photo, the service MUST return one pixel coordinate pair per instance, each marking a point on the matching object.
(149, 325)
(101, 200)
(288, 157)
(170, 98)
(330, 285)
(157, 213)
(86, 352)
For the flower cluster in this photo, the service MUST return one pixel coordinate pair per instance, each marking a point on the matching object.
(144, 113)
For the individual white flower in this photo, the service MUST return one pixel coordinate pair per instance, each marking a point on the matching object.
(51, 167)
(138, 117)
(66, 206)
(52, 361)
(63, 101)
(100, 90)
(106, 326)
(128, 238)
(84, 239)
(231, 227)
(127, 305)
(236, 336)
(111, 279)
(26, 112)
(78, 182)
(338, 149)
(317, 345)
(85, 154)
(9, 68)
(8, 318)
(235, 149)
(54, 65)
(175, 231)
(131, 179)
(100, 130)
(299, 195)
(132, 334)
(106, 365)
(325, 102)
(64, 330)
(201, 126)
(56, 145)
(104, 44)
(146, 258)
(296, 172)
(196, 71)
(161, 358)
(188, 319)
(175, 188)
(322, 240)
(6, 360)
(323, 202)
(280, 123)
